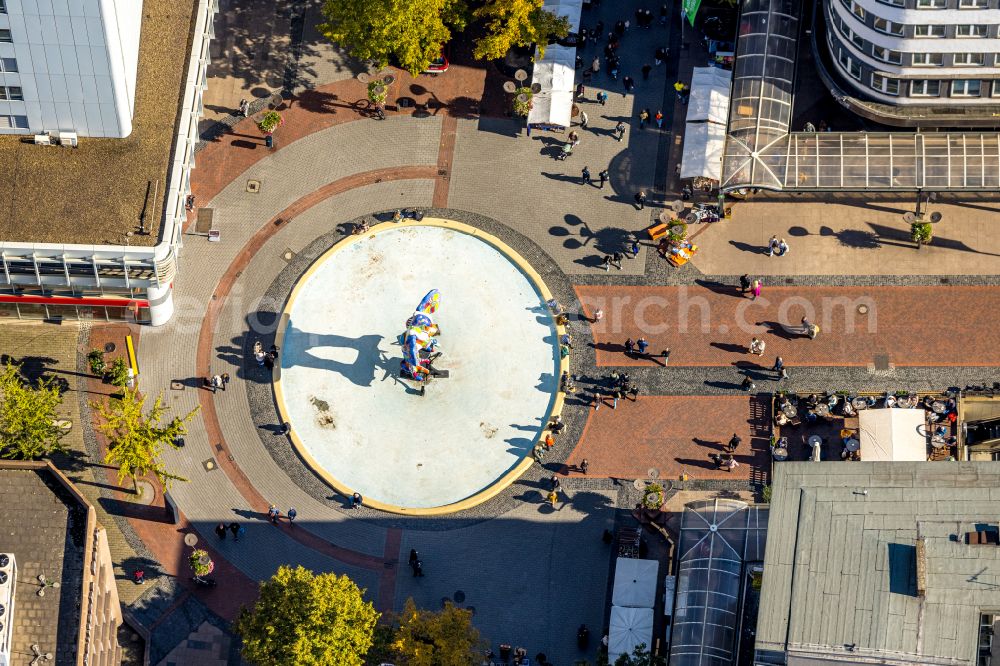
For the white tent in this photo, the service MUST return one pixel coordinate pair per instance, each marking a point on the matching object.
(628, 628)
(702, 154)
(892, 434)
(709, 100)
(635, 582)
(555, 73)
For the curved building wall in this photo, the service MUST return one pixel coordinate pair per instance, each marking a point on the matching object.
(917, 52)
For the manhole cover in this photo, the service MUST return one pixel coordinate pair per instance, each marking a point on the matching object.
(288, 254)
(210, 465)
(653, 473)
(109, 347)
(253, 186)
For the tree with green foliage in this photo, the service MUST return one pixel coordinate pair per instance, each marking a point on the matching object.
(640, 657)
(413, 32)
(28, 416)
(136, 440)
(301, 619)
(512, 23)
(443, 638)
(118, 373)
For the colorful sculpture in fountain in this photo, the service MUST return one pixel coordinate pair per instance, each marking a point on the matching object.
(420, 345)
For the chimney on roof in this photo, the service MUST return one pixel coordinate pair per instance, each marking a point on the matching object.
(921, 567)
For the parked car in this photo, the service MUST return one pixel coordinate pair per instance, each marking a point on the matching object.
(438, 66)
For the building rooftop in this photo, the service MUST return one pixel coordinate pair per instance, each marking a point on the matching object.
(44, 526)
(96, 193)
(840, 580)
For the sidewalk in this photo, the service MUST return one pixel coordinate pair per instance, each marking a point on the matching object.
(852, 238)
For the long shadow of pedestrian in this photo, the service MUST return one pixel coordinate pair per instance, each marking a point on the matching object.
(563, 177)
(729, 347)
(746, 247)
(722, 385)
(608, 347)
(719, 287)
(781, 330)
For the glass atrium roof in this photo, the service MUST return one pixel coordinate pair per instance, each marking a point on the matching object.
(761, 152)
(717, 537)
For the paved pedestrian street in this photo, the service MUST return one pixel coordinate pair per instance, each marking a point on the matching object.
(539, 359)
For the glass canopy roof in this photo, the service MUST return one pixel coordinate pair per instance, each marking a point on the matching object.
(717, 537)
(760, 151)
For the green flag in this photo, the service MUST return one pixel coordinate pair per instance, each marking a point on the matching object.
(690, 10)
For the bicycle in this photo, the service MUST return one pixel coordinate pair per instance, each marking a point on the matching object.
(374, 109)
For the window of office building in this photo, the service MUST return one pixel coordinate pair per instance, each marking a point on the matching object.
(932, 4)
(966, 88)
(927, 60)
(13, 122)
(975, 30)
(850, 65)
(925, 88)
(859, 41)
(886, 55)
(995, 89)
(894, 3)
(859, 11)
(11, 93)
(5, 35)
(885, 84)
(8, 64)
(928, 31)
(973, 4)
(888, 27)
(975, 59)
(3, 6)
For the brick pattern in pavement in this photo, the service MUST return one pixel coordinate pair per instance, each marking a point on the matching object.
(712, 325)
(675, 435)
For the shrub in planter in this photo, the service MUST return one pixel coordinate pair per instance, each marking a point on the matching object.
(96, 361)
(652, 496)
(522, 105)
(377, 92)
(766, 494)
(681, 233)
(117, 373)
(921, 232)
(271, 121)
(201, 563)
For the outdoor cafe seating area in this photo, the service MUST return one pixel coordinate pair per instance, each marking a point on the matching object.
(841, 426)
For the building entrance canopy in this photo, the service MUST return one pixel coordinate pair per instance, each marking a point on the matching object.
(760, 152)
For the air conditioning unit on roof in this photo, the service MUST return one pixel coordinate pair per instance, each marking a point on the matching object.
(68, 139)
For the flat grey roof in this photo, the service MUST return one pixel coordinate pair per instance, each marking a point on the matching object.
(839, 567)
(95, 193)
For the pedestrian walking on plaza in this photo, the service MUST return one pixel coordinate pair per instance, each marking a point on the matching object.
(606, 262)
(643, 118)
(772, 246)
(584, 465)
(734, 442)
(414, 557)
(554, 483)
(646, 69)
(615, 394)
(640, 199)
(274, 513)
(598, 316)
(620, 130)
(643, 345)
(598, 399)
(357, 500)
(552, 498)
(616, 259)
(220, 531)
(586, 176)
(663, 14)
(661, 55)
(757, 346)
(291, 515)
(779, 367)
(634, 249)
(580, 92)
(244, 108)
(747, 384)
(809, 328)
(566, 339)
(755, 290)
(583, 120)
(629, 347)
(629, 85)
(602, 98)
(595, 66)
(236, 529)
(679, 89)
(603, 175)
(659, 119)
(782, 249)
(620, 28)
(744, 283)
(225, 380)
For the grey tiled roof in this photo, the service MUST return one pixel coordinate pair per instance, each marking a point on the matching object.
(840, 562)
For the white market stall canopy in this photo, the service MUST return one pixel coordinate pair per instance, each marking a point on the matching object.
(555, 73)
(629, 627)
(892, 434)
(709, 99)
(635, 582)
(703, 147)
